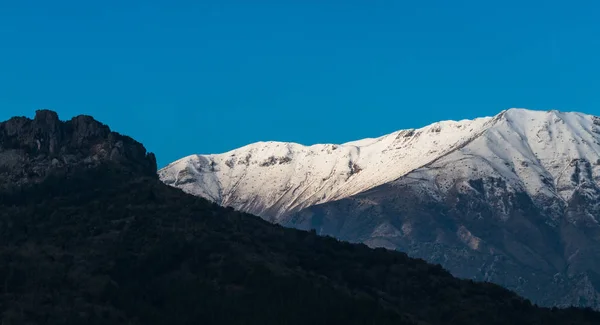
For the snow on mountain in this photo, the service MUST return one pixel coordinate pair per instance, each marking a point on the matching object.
(530, 149)
(518, 205)
(271, 178)
(534, 150)
(512, 199)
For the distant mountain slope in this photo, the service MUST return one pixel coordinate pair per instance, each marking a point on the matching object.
(516, 200)
(273, 178)
(108, 243)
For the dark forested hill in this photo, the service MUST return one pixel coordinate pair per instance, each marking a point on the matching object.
(108, 243)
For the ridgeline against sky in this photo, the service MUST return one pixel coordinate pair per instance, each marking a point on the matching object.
(209, 76)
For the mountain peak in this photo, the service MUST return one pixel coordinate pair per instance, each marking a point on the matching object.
(31, 149)
(521, 112)
(45, 116)
(274, 178)
(489, 198)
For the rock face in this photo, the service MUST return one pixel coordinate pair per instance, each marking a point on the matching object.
(31, 150)
(554, 263)
(512, 199)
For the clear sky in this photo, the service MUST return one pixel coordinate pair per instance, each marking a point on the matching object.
(208, 76)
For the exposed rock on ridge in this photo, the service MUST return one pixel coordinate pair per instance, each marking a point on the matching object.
(30, 150)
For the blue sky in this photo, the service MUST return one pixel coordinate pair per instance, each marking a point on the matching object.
(188, 77)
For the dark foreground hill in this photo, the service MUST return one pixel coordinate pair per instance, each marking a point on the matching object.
(108, 243)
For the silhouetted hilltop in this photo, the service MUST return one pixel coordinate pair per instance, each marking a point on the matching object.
(30, 149)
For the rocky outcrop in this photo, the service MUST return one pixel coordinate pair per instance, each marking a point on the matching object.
(32, 149)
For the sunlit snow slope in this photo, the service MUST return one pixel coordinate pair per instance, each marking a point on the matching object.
(532, 149)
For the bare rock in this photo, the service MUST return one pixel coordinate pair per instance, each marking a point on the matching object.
(32, 149)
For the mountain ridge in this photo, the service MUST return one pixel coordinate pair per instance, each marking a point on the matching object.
(33, 149)
(222, 184)
(349, 165)
(515, 196)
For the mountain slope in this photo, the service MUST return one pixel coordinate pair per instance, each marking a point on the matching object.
(109, 243)
(516, 202)
(517, 206)
(273, 178)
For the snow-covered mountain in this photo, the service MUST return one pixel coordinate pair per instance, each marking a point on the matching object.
(518, 205)
(273, 178)
(512, 199)
(531, 149)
